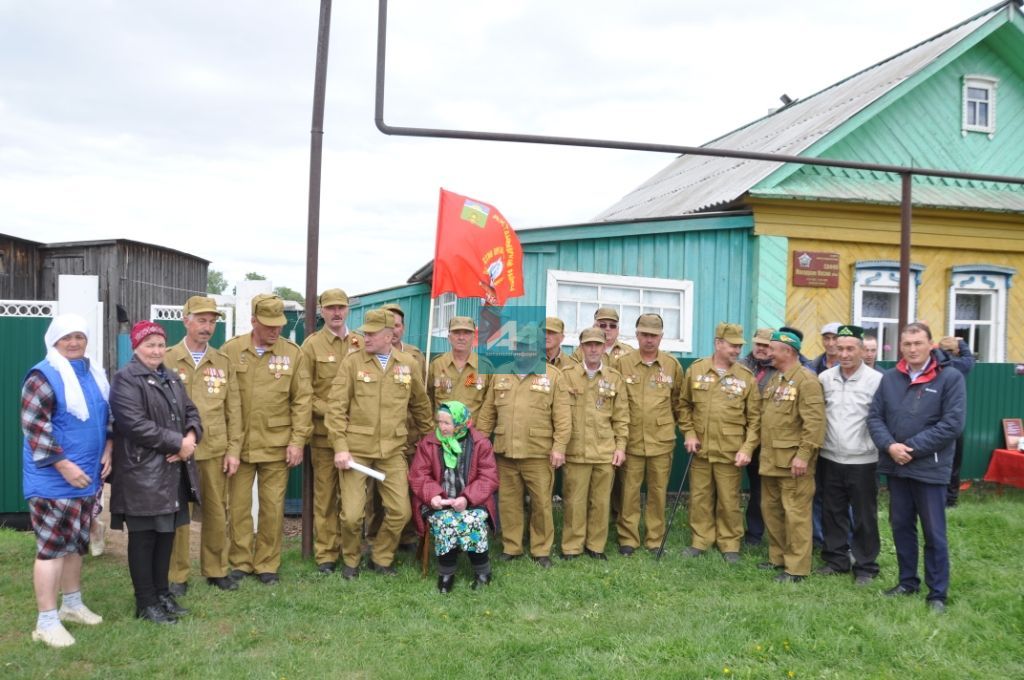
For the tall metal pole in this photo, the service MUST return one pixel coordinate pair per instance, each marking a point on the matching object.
(316, 146)
(906, 206)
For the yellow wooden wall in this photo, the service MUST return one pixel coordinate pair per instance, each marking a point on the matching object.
(940, 240)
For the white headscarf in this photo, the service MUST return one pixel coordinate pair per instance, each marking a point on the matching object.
(62, 325)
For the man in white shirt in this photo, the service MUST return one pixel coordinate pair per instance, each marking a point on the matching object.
(848, 463)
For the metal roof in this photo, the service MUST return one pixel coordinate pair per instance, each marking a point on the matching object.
(694, 183)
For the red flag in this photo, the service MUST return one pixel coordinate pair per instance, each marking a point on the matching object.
(477, 254)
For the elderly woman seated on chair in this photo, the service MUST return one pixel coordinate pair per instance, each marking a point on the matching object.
(453, 478)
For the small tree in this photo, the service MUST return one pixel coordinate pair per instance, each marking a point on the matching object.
(215, 282)
(287, 293)
(253, 276)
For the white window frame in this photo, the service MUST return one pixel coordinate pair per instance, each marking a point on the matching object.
(684, 288)
(990, 85)
(444, 310)
(987, 280)
(882, 277)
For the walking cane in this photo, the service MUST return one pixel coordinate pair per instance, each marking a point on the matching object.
(675, 507)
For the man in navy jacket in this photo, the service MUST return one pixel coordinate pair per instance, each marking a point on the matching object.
(915, 417)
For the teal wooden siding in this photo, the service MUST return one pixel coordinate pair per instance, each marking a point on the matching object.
(922, 127)
(22, 340)
(719, 262)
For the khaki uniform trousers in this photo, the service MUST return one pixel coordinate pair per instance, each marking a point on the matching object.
(655, 471)
(716, 517)
(375, 512)
(272, 482)
(786, 507)
(586, 498)
(516, 478)
(394, 494)
(326, 508)
(181, 565)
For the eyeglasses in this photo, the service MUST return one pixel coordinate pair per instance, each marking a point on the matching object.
(608, 325)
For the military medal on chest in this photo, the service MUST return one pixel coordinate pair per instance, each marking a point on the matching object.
(402, 375)
(363, 376)
(703, 382)
(214, 378)
(279, 364)
(541, 383)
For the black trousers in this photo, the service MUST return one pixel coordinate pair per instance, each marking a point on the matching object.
(447, 562)
(843, 487)
(149, 558)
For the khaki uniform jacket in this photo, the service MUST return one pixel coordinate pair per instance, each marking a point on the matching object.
(324, 352)
(369, 407)
(276, 397)
(614, 354)
(654, 402)
(562, 362)
(600, 415)
(792, 421)
(723, 413)
(213, 388)
(410, 421)
(530, 416)
(446, 383)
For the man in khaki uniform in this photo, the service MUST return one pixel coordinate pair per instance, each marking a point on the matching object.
(324, 352)
(607, 319)
(554, 334)
(792, 431)
(720, 419)
(210, 383)
(373, 394)
(653, 380)
(531, 419)
(374, 508)
(456, 375)
(274, 382)
(600, 427)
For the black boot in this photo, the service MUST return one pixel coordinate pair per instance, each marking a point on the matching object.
(481, 580)
(155, 613)
(445, 583)
(171, 605)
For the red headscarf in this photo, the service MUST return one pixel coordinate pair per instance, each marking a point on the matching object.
(143, 330)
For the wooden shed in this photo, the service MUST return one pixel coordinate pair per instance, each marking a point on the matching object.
(131, 274)
(19, 268)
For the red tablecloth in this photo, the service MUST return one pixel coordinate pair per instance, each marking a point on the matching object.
(1006, 467)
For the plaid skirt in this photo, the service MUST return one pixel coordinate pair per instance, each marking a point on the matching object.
(61, 525)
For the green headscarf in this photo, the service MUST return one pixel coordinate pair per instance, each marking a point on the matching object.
(451, 446)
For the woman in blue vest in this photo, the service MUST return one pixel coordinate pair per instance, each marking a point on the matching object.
(156, 428)
(65, 457)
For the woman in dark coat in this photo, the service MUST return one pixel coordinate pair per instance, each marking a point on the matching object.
(156, 428)
(453, 478)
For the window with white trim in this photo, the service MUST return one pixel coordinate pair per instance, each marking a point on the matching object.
(979, 105)
(575, 296)
(444, 311)
(977, 309)
(876, 302)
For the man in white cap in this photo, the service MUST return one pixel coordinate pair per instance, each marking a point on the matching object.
(830, 357)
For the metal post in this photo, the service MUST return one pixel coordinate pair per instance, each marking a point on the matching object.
(316, 144)
(906, 206)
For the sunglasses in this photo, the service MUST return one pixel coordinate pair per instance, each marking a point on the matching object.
(608, 325)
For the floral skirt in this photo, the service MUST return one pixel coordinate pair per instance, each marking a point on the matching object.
(452, 529)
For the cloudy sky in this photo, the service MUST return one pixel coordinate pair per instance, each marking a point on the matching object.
(186, 123)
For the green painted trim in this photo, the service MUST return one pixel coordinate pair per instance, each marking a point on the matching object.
(638, 228)
(819, 148)
(388, 294)
(768, 294)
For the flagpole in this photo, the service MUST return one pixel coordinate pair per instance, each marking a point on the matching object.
(430, 335)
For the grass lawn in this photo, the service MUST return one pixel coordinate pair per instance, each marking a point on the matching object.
(622, 618)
